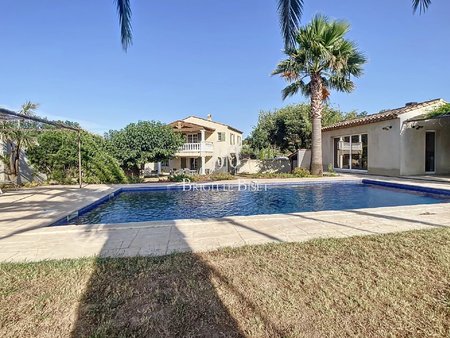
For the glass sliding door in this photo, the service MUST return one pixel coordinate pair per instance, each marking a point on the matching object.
(345, 152)
(430, 148)
(351, 152)
(356, 152)
(336, 152)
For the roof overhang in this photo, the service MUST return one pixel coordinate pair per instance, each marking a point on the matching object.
(383, 115)
(360, 122)
(425, 118)
(188, 127)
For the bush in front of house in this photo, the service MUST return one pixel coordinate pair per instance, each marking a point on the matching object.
(301, 172)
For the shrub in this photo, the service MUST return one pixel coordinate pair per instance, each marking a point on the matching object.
(221, 177)
(301, 172)
(330, 168)
(181, 178)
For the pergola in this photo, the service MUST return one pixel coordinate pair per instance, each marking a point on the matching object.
(9, 115)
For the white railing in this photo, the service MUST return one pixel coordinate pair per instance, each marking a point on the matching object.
(346, 145)
(194, 147)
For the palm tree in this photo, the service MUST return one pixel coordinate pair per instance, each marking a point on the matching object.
(290, 12)
(321, 60)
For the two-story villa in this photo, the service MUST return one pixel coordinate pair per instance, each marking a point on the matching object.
(210, 146)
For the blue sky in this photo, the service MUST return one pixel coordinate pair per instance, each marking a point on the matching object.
(202, 57)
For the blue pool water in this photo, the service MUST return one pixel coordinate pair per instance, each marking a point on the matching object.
(151, 205)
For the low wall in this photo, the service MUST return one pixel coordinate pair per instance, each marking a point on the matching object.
(303, 159)
(263, 166)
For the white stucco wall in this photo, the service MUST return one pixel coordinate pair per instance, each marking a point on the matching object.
(303, 159)
(383, 146)
(220, 148)
(400, 150)
(443, 151)
(413, 142)
(413, 147)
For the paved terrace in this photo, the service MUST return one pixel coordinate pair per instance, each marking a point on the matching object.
(25, 214)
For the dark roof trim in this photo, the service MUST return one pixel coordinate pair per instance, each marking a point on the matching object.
(6, 115)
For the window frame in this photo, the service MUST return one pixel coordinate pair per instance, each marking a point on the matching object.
(232, 139)
(350, 154)
(192, 137)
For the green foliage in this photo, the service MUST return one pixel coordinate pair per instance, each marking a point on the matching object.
(330, 168)
(440, 111)
(181, 178)
(290, 13)
(321, 54)
(201, 178)
(142, 142)
(221, 177)
(287, 129)
(56, 155)
(301, 172)
(270, 175)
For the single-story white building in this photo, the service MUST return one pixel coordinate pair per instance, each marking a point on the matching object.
(402, 141)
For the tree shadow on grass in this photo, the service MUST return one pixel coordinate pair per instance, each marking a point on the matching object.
(163, 296)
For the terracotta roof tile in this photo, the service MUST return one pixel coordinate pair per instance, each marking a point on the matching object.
(382, 116)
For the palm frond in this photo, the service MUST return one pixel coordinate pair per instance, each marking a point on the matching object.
(340, 83)
(290, 12)
(323, 50)
(28, 108)
(124, 12)
(421, 5)
(295, 87)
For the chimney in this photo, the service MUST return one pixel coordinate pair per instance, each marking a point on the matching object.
(209, 117)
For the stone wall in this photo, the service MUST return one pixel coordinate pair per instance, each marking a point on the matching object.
(263, 166)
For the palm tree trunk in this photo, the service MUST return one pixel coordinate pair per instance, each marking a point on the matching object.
(17, 166)
(316, 116)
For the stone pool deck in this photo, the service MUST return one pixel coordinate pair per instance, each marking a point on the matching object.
(25, 214)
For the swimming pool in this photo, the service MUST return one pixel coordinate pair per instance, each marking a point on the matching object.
(147, 204)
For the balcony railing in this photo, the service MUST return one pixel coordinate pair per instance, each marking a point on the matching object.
(196, 147)
(346, 145)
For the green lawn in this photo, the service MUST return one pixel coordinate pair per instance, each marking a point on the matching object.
(388, 285)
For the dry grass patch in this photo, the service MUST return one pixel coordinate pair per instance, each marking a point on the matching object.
(388, 285)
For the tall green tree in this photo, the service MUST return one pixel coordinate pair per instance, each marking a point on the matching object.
(289, 11)
(55, 154)
(289, 128)
(321, 60)
(142, 142)
(17, 136)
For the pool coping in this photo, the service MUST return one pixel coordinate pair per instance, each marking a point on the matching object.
(155, 238)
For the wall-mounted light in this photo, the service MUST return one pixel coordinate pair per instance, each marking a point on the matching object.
(418, 127)
(387, 128)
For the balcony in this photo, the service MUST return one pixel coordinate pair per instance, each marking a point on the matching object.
(345, 146)
(201, 147)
